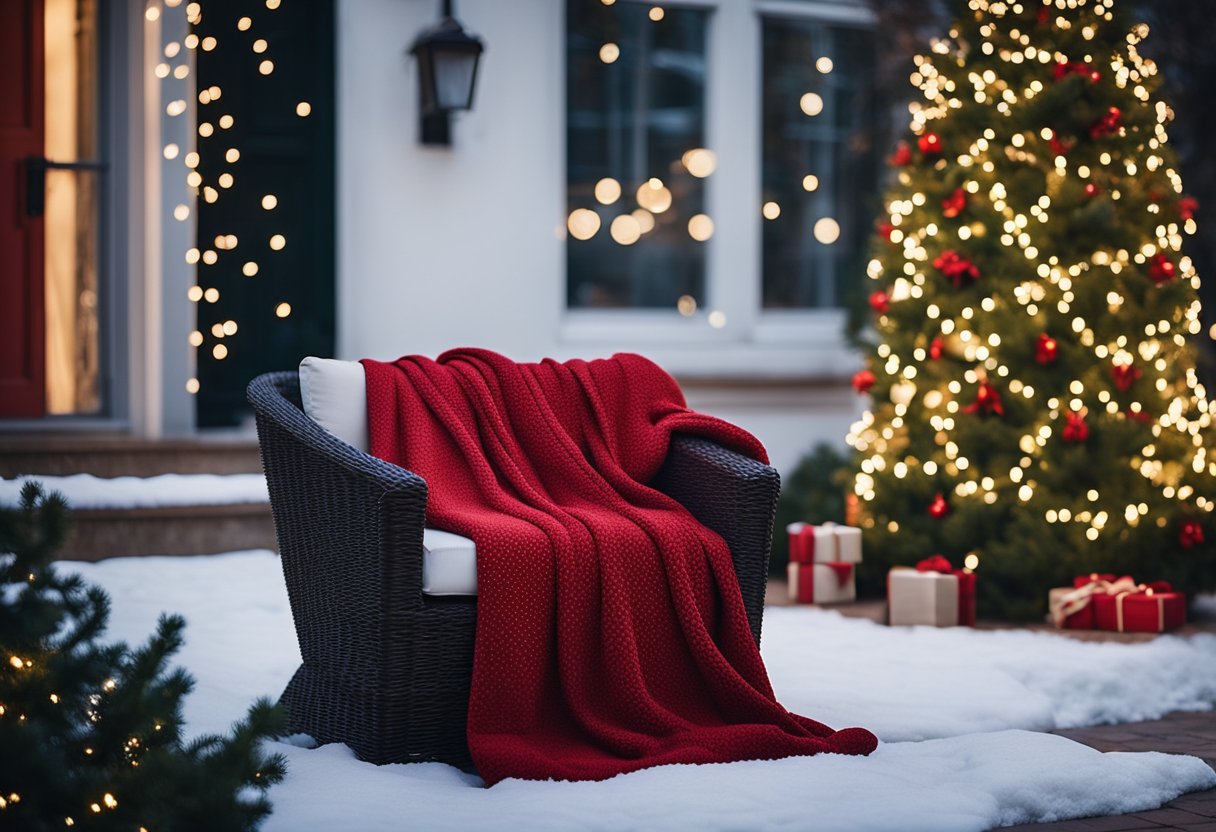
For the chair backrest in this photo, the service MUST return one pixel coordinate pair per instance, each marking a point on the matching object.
(334, 395)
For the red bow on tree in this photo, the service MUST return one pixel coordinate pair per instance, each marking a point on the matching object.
(935, 563)
(939, 508)
(1108, 123)
(1075, 430)
(1190, 535)
(1065, 68)
(954, 204)
(1124, 375)
(1187, 206)
(1059, 147)
(936, 348)
(880, 302)
(863, 381)
(1161, 269)
(987, 400)
(902, 155)
(956, 267)
(1046, 349)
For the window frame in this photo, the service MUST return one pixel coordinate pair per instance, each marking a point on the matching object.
(777, 344)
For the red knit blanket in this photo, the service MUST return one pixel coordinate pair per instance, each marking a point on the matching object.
(611, 633)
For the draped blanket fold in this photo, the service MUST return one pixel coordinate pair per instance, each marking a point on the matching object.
(611, 633)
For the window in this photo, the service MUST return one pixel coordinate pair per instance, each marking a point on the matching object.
(753, 118)
(634, 158)
(816, 160)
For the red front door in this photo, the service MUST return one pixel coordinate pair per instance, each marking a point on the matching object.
(22, 293)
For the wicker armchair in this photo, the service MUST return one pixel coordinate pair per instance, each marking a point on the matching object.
(386, 668)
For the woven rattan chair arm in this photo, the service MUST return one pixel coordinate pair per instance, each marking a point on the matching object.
(737, 498)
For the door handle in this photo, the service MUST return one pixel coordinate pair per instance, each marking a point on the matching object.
(35, 179)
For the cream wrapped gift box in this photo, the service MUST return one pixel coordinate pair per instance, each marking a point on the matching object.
(934, 594)
(826, 543)
(822, 583)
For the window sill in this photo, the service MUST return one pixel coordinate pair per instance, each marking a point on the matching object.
(785, 346)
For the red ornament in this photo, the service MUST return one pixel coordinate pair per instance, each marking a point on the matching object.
(987, 400)
(1091, 190)
(1046, 349)
(1139, 416)
(1108, 123)
(1161, 269)
(1190, 534)
(1044, 16)
(1187, 206)
(936, 348)
(1125, 375)
(939, 508)
(954, 204)
(880, 302)
(956, 267)
(884, 230)
(930, 144)
(1075, 429)
(902, 155)
(863, 381)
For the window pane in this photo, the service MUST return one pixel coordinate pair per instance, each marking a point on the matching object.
(818, 164)
(635, 110)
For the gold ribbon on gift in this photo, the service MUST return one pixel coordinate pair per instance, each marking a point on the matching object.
(1148, 593)
(1081, 597)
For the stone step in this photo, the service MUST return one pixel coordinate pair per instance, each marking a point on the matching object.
(164, 530)
(109, 455)
(169, 530)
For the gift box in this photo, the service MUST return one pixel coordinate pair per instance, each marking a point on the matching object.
(1146, 610)
(934, 593)
(1058, 599)
(1104, 602)
(1071, 607)
(826, 543)
(822, 583)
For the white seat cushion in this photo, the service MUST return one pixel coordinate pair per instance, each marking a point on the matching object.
(334, 395)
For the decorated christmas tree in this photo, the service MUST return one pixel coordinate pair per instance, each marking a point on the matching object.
(1036, 413)
(91, 733)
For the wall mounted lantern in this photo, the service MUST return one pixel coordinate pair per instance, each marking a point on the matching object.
(447, 74)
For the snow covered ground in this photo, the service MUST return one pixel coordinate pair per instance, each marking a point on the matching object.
(959, 712)
(89, 491)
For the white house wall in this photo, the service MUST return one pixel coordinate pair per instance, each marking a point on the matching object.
(465, 246)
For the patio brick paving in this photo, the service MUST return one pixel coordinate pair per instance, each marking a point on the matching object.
(1176, 733)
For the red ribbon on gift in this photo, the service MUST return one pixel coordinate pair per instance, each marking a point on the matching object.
(802, 545)
(806, 578)
(937, 563)
(966, 585)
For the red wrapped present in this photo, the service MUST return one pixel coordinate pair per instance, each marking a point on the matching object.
(1072, 608)
(822, 583)
(934, 593)
(1152, 608)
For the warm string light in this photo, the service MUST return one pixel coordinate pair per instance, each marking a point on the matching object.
(210, 192)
